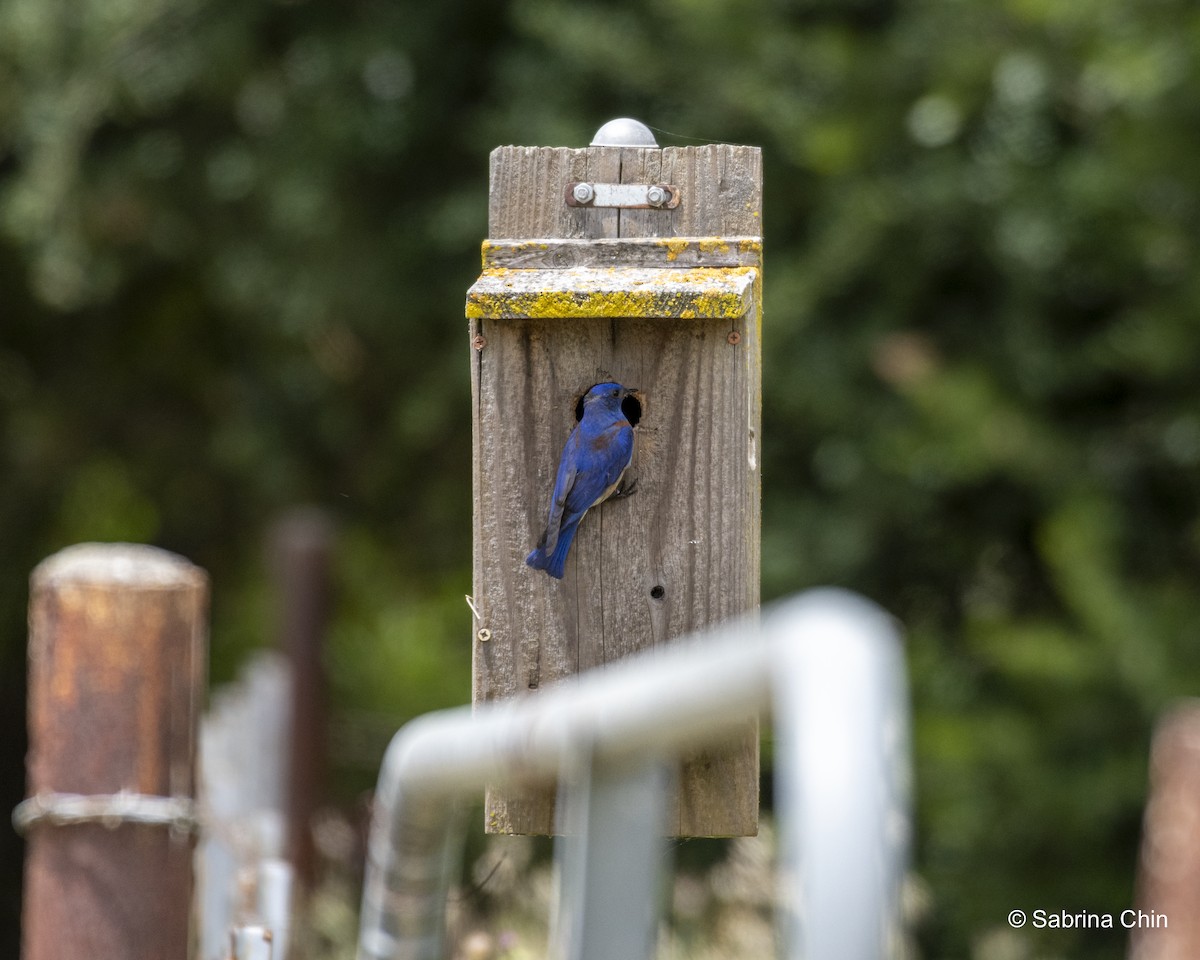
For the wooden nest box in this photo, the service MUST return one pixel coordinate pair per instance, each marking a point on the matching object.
(640, 265)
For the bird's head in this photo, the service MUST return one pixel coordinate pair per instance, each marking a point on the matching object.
(607, 394)
(610, 398)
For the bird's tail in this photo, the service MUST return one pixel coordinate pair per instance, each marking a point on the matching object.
(555, 562)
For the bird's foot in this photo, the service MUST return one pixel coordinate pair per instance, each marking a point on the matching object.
(626, 489)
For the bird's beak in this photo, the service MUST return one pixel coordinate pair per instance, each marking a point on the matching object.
(628, 392)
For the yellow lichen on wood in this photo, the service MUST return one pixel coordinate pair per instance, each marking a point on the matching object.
(674, 247)
(700, 293)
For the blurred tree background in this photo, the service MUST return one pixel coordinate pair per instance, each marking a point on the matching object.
(234, 244)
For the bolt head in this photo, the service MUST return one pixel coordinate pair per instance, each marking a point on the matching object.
(583, 193)
(656, 196)
(624, 132)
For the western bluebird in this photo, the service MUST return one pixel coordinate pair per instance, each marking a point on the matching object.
(594, 460)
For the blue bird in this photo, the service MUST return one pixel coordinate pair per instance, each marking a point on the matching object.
(594, 459)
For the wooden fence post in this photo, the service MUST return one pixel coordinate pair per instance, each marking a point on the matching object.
(641, 265)
(301, 544)
(117, 669)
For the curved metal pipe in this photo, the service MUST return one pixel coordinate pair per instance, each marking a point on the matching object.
(827, 662)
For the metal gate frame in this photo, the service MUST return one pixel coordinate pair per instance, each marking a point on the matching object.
(828, 667)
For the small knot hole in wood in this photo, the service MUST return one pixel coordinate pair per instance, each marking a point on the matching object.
(657, 592)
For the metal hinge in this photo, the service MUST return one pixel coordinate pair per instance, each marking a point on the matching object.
(660, 196)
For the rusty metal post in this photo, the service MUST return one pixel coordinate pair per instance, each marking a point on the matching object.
(301, 544)
(117, 670)
(1165, 925)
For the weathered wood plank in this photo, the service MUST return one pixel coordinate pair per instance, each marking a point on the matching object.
(725, 184)
(680, 554)
(699, 293)
(676, 252)
(521, 205)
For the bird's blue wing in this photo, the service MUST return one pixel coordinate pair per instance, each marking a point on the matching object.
(602, 460)
(563, 483)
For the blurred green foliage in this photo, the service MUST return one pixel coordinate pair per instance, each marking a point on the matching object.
(234, 242)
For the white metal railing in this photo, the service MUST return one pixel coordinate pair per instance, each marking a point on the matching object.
(829, 668)
(244, 883)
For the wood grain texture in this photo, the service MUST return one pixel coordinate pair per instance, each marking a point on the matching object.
(682, 553)
(676, 252)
